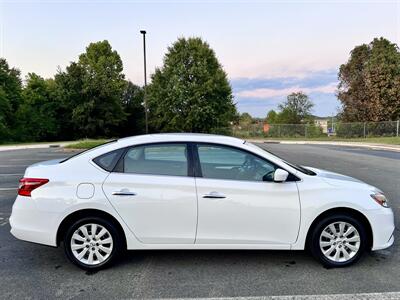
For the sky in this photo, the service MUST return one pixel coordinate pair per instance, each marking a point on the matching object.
(268, 48)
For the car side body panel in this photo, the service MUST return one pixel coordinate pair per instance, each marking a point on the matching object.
(37, 218)
(315, 201)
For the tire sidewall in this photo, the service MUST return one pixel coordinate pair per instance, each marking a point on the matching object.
(315, 247)
(113, 232)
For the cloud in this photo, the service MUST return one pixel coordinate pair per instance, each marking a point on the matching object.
(283, 65)
(325, 105)
(258, 95)
(313, 79)
(270, 92)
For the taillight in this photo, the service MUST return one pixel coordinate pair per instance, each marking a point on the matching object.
(27, 185)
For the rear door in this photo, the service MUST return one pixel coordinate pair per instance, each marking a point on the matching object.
(155, 194)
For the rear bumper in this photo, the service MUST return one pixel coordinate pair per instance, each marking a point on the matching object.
(32, 225)
(382, 223)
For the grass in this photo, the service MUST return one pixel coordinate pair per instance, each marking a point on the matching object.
(90, 143)
(6, 143)
(374, 140)
(86, 144)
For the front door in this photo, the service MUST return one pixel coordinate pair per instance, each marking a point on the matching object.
(238, 201)
(154, 194)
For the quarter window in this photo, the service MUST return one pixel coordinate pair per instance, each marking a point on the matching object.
(109, 160)
(221, 162)
(157, 159)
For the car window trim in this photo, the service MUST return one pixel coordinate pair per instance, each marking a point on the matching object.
(197, 164)
(119, 167)
(114, 162)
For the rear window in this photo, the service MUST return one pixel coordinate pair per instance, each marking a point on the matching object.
(109, 160)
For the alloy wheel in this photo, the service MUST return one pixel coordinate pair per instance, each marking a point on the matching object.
(339, 241)
(91, 244)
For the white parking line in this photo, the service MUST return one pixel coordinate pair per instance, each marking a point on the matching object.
(13, 174)
(12, 166)
(22, 159)
(4, 221)
(8, 189)
(369, 296)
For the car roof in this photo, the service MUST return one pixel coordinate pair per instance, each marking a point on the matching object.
(180, 137)
(177, 137)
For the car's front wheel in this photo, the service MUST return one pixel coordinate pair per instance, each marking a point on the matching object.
(338, 240)
(92, 243)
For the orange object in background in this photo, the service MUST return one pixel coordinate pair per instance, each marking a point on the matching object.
(266, 128)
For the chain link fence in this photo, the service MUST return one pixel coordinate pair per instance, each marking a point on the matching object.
(316, 130)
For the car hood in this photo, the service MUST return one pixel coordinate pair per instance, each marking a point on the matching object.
(337, 179)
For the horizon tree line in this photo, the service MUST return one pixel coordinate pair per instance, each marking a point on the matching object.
(91, 98)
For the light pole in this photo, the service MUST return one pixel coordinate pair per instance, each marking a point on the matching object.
(143, 32)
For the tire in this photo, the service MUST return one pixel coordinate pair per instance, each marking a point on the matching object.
(93, 252)
(334, 247)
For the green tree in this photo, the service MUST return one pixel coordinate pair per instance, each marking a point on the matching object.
(37, 113)
(296, 109)
(369, 82)
(245, 119)
(132, 103)
(69, 94)
(10, 99)
(190, 92)
(287, 116)
(272, 117)
(91, 92)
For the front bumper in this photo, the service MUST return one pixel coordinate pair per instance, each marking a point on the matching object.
(382, 223)
(32, 225)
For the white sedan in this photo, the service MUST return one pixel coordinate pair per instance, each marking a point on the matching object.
(196, 191)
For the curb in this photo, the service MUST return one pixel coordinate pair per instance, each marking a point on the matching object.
(33, 146)
(369, 296)
(394, 148)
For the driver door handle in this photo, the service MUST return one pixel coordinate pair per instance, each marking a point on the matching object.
(214, 195)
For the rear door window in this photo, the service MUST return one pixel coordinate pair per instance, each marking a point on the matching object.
(157, 159)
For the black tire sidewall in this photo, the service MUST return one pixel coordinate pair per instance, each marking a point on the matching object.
(117, 242)
(321, 225)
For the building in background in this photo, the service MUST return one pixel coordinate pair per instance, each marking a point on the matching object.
(322, 122)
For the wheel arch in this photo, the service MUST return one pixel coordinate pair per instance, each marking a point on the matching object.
(347, 211)
(79, 214)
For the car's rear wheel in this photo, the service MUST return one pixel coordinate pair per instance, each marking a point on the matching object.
(92, 243)
(338, 240)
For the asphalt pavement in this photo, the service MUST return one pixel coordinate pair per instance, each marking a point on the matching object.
(33, 271)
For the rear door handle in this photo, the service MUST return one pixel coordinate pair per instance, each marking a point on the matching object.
(123, 193)
(214, 195)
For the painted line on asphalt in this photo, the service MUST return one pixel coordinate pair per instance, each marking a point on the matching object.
(4, 221)
(8, 189)
(13, 165)
(22, 159)
(12, 174)
(369, 296)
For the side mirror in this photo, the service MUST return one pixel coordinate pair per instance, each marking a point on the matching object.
(280, 175)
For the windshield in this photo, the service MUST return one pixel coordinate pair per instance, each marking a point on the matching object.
(294, 166)
(87, 150)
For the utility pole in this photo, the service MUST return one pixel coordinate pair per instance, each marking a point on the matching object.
(143, 32)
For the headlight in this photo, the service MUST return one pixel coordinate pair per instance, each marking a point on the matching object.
(380, 199)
